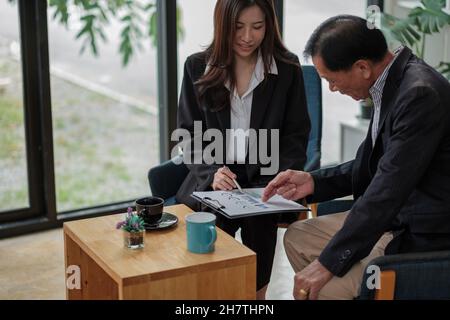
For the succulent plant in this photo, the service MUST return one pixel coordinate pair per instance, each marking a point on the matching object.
(132, 222)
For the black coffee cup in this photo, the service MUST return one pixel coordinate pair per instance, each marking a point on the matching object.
(150, 209)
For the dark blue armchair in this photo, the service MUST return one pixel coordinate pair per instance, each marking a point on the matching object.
(313, 89)
(412, 276)
(166, 178)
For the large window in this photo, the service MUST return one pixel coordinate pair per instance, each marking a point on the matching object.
(197, 33)
(13, 165)
(105, 116)
(301, 17)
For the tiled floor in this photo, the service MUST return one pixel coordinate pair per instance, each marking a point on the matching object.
(32, 267)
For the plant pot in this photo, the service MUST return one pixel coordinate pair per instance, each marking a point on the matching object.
(133, 240)
(366, 109)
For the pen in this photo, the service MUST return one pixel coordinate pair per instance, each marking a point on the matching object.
(236, 183)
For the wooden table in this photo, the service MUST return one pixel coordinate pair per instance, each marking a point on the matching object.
(164, 269)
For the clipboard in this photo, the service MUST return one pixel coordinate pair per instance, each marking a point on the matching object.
(236, 204)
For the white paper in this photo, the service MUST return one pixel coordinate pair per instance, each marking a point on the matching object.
(236, 203)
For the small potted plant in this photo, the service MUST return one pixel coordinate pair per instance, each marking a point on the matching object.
(133, 230)
(366, 108)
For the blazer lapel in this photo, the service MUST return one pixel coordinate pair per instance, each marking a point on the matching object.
(391, 86)
(361, 163)
(262, 95)
(224, 118)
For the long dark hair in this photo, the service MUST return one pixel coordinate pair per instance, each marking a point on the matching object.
(220, 55)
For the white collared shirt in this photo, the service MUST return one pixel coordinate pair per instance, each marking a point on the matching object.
(241, 109)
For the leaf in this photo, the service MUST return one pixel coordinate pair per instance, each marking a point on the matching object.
(103, 14)
(444, 69)
(61, 11)
(88, 17)
(180, 29)
(430, 18)
(83, 46)
(126, 49)
(114, 5)
(126, 54)
(401, 30)
(149, 6)
(125, 32)
(153, 28)
(86, 29)
(137, 32)
(102, 34)
(93, 45)
(86, 4)
(126, 18)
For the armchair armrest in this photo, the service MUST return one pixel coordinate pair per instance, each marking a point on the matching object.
(334, 206)
(417, 275)
(313, 162)
(166, 178)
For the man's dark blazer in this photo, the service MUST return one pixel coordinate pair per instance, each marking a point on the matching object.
(403, 182)
(279, 102)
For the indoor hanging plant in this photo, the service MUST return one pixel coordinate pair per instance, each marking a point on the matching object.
(133, 230)
(365, 108)
(427, 18)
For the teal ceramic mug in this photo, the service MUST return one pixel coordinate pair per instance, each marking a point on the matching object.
(201, 232)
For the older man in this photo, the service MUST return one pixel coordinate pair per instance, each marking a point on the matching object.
(400, 177)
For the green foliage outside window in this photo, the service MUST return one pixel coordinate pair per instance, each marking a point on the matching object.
(138, 20)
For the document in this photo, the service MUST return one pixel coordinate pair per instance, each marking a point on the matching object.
(237, 204)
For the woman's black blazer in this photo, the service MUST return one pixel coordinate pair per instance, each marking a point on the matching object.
(279, 102)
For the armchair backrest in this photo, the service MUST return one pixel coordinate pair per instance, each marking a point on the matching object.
(166, 178)
(313, 88)
(417, 276)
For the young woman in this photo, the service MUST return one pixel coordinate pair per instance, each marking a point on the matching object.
(246, 79)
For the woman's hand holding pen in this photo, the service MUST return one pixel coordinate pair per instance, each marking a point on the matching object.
(223, 180)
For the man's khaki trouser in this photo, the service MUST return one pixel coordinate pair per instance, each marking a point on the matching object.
(305, 240)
